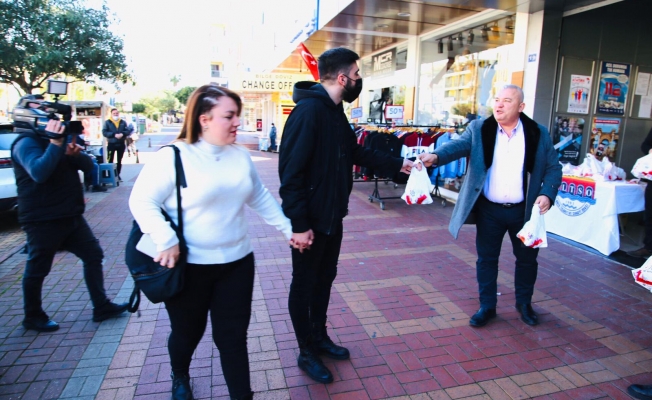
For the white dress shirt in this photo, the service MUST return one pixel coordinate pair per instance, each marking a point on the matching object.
(504, 183)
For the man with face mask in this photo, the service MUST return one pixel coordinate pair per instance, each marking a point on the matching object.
(116, 132)
(316, 161)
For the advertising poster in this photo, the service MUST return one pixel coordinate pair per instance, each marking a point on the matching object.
(567, 138)
(579, 95)
(614, 83)
(605, 133)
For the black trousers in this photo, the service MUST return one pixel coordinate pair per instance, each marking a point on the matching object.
(493, 220)
(647, 241)
(226, 291)
(313, 273)
(44, 239)
(112, 150)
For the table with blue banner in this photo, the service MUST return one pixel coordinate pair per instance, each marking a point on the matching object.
(586, 211)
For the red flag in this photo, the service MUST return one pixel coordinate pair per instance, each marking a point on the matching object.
(310, 60)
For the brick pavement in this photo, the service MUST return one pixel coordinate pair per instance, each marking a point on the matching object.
(401, 304)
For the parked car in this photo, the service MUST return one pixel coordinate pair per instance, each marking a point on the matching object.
(8, 194)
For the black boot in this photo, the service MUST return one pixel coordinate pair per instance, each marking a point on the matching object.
(181, 387)
(325, 345)
(249, 396)
(311, 364)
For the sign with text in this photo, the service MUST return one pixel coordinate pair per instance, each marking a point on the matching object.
(253, 82)
(614, 83)
(356, 112)
(393, 112)
(383, 64)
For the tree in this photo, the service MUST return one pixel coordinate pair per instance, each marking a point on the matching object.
(138, 108)
(43, 39)
(175, 80)
(184, 93)
(160, 104)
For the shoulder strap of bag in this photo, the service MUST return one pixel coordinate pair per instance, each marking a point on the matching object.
(180, 182)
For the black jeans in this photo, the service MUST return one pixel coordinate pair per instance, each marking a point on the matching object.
(112, 149)
(226, 291)
(492, 222)
(647, 241)
(313, 273)
(44, 239)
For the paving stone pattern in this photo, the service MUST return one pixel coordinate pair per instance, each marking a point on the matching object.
(401, 304)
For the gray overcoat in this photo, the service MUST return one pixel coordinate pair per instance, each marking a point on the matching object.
(542, 172)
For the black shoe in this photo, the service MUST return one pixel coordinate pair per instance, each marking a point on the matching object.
(99, 189)
(181, 387)
(249, 396)
(643, 392)
(640, 253)
(119, 179)
(527, 314)
(109, 310)
(41, 324)
(312, 365)
(324, 345)
(482, 317)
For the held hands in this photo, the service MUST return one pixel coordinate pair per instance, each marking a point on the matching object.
(544, 203)
(428, 159)
(169, 257)
(407, 166)
(302, 241)
(119, 135)
(55, 126)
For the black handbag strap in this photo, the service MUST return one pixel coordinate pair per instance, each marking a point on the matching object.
(180, 182)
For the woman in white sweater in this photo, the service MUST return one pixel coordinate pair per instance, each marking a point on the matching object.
(221, 179)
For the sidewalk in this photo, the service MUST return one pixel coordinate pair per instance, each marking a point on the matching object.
(401, 303)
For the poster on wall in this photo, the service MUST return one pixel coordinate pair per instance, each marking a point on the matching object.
(605, 133)
(579, 94)
(567, 138)
(614, 83)
(380, 98)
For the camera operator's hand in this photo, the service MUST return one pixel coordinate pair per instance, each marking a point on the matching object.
(55, 126)
(73, 149)
(119, 135)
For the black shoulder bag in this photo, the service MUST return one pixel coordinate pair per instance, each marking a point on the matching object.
(157, 282)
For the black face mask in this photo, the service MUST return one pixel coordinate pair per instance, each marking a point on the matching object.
(352, 93)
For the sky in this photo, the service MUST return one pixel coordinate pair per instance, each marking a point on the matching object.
(164, 39)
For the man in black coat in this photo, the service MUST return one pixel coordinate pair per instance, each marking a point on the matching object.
(116, 130)
(50, 210)
(316, 161)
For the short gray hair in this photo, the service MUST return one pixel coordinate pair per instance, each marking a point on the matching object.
(518, 90)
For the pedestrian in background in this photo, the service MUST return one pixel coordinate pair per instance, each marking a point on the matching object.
(646, 250)
(221, 179)
(50, 210)
(116, 132)
(316, 161)
(513, 166)
(272, 138)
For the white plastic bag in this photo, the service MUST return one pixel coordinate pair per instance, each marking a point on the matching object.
(643, 167)
(643, 275)
(533, 233)
(417, 189)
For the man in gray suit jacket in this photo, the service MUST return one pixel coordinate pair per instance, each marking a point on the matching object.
(513, 166)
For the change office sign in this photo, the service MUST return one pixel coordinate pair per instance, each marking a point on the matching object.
(383, 64)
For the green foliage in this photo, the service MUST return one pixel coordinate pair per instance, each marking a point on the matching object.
(461, 109)
(138, 108)
(160, 104)
(43, 39)
(184, 93)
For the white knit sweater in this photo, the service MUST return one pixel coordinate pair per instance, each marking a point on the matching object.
(221, 180)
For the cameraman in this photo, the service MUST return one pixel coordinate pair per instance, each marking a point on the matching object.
(50, 208)
(116, 132)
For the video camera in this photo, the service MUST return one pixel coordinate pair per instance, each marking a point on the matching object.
(33, 112)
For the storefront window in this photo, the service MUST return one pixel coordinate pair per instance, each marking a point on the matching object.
(460, 72)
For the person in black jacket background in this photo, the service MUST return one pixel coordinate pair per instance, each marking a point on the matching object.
(50, 211)
(646, 250)
(116, 132)
(316, 161)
